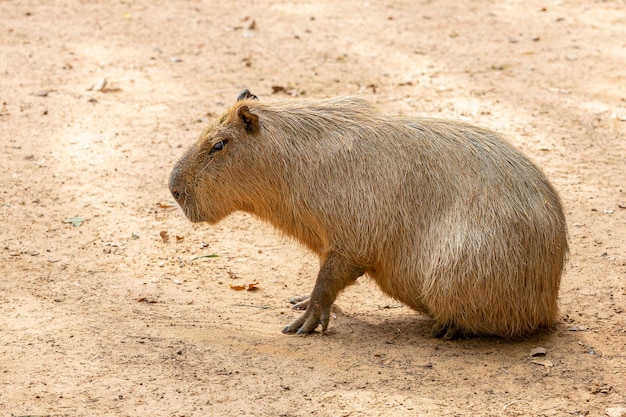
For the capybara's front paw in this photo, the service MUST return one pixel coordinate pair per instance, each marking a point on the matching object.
(308, 322)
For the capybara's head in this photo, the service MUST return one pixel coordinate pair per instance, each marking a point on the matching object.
(211, 180)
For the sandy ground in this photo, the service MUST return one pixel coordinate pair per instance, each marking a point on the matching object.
(106, 318)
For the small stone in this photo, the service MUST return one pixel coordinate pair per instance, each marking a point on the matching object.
(100, 85)
(616, 412)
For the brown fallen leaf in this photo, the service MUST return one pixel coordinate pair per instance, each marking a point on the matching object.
(179, 238)
(237, 287)
(164, 236)
(601, 389)
(253, 286)
(166, 205)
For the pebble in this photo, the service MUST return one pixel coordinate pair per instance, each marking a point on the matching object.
(616, 412)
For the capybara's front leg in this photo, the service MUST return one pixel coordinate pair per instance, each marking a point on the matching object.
(335, 274)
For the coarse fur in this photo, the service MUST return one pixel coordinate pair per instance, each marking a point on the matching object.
(446, 217)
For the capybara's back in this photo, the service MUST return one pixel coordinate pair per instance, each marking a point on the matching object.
(448, 218)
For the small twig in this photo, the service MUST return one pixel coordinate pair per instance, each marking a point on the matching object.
(249, 305)
(390, 306)
(514, 402)
(205, 256)
(89, 243)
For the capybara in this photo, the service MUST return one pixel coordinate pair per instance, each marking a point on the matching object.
(446, 217)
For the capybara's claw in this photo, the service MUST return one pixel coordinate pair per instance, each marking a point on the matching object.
(438, 329)
(287, 329)
(308, 322)
(302, 324)
(453, 332)
(300, 306)
(300, 302)
(299, 298)
(295, 325)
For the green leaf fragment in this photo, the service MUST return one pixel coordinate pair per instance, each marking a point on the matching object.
(75, 221)
(205, 256)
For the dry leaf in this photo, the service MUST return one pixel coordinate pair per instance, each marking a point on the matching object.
(164, 236)
(75, 221)
(237, 287)
(169, 204)
(543, 362)
(601, 389)
(253, 286)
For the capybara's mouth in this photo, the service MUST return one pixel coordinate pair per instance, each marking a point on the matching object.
(194, 216)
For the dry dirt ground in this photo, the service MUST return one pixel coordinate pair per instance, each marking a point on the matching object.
(106, 318)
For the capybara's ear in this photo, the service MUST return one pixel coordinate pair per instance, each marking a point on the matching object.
(245, 93)
(249, 120)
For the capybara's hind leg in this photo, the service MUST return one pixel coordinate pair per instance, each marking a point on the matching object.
(446, 331)
(335, 274)
(300, 302)
(438, 329)
(453, 332)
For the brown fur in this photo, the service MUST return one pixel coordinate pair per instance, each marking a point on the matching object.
(447, 218)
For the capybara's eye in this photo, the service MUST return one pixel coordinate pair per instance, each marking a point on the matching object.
(218, 146)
